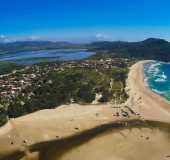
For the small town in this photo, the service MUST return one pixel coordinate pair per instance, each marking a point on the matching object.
(13, 84)
(84, 80)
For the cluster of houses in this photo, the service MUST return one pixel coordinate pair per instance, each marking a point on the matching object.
(13, 84)
(97, 64)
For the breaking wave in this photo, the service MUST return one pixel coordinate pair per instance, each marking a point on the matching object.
(157, 77)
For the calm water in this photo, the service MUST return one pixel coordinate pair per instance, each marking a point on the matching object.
(33, 57)
(157, 76)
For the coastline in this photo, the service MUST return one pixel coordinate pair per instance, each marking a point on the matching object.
(149, 104)
(27, 135)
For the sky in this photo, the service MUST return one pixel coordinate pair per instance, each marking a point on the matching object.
(84, 20)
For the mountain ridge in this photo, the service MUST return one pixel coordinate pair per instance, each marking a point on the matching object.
(151, 48)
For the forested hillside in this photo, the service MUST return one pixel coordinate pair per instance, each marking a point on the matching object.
(155, 49)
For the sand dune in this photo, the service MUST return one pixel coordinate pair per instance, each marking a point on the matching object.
(122, 144)
(89, 132)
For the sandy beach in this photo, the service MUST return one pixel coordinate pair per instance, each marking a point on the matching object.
(150, 105)
(94, 132)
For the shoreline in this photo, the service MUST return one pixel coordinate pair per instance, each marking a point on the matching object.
(151, 105)
(28, 134)
(147, 85)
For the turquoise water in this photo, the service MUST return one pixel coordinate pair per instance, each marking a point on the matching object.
(157, 77)
(33, 57)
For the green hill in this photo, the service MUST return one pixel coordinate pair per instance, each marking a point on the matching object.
(156, 49)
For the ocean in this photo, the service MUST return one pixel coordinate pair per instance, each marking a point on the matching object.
(157, 78)
(32, 57)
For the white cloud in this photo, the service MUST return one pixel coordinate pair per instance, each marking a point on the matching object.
(5, 39)
(34, 38)
(102, 37)
(2, 36)
(8, 39)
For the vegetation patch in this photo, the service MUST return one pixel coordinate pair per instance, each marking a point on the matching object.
(49, 85)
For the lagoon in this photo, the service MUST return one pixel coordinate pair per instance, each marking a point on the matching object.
(33, 57)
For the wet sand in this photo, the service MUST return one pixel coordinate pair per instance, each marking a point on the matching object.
(150, 105)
